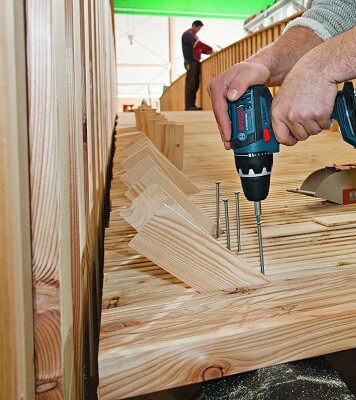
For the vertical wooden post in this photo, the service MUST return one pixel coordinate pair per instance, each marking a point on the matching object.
(16, 312)
(71, 121)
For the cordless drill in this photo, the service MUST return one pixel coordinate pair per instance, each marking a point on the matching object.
(253, 140)
(254, 143)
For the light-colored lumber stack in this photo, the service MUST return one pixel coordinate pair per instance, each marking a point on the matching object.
(164, 329)
(167, 136)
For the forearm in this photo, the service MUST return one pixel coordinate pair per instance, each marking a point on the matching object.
(304, 103)
(336, 58)
(281, 56)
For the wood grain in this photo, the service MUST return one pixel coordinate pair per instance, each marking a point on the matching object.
(169, 140)
(206, 337)
(138, 137)
(184, 183)
(335, 220)
(17, 372)
(135, 173)
(144, 206)
(151, 318)
(137, 145)
(155, 176)
(72, 112)
(303, 228)
(185, 251)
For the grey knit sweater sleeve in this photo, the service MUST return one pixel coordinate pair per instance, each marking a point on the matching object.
(327, 18)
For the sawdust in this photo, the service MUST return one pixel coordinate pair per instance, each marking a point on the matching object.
(291, 381)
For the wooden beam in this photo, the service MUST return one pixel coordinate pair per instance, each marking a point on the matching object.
(169, 140)
(135, 173)
(155, 176)
(137, 138)
(17, 369)
(145, 205)
(181, 180)
(190, 339)
(185, 251)
(137, 145)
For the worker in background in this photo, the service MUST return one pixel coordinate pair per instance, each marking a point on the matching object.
(193, 48)
(315, 53)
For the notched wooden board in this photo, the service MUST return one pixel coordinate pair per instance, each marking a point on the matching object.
(144, 206)
(155, 176)
(185, 251)
(181, 180)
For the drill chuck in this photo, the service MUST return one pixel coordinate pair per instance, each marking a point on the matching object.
(254, 170)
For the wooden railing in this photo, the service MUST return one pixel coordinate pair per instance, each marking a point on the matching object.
(173, 98)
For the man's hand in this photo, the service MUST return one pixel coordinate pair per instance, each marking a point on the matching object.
(232, 84)
(304, 103)
(269, 66)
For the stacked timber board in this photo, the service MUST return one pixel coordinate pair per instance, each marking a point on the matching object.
(159, 332)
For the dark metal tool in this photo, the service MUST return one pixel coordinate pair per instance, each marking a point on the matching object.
(253, 140)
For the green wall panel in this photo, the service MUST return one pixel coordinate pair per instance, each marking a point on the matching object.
(240, 9)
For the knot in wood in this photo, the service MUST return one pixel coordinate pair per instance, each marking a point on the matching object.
(46, 386)
(288, 307)
(213, 372)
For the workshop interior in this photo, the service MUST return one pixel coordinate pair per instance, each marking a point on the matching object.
(147, 257)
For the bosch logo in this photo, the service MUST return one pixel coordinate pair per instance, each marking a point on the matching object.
(240, 119)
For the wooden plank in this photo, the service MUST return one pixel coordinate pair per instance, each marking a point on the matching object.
(137, 145)
(197, 338)
(138, 137)
(142, 295)
(71, 80)
(185, 251)
(144, 206)
(135, 173)
(50, 255)
(17, 369)
(334, 220)
(185, 184)
(151, 125)
(155, 176)
(300, 228)
(169, 140)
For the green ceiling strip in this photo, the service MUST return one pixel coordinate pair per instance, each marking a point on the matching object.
(239, 9)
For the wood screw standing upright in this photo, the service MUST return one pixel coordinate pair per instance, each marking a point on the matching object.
(217, 196)
(238, 226)
(226, 206)
(258, 214)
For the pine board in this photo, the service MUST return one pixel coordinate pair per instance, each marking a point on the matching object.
(145, 205)
(186, 185)
(184, 250)
(335, 220)
(155, 176)
(157, 332)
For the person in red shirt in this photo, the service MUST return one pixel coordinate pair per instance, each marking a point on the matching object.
(193, 48)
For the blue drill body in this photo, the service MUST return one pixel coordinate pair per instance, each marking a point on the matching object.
(253, 140)
(251, 124)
